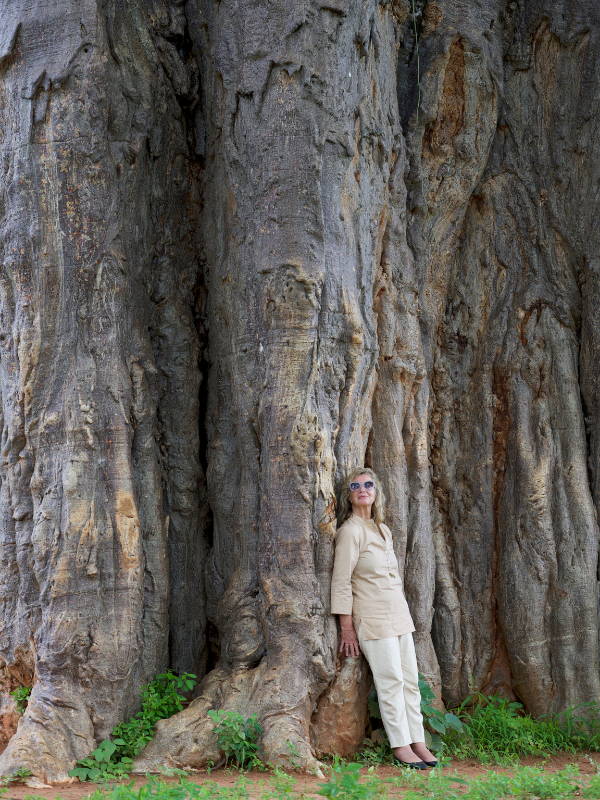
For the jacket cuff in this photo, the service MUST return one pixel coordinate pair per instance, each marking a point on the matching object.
(341, 608)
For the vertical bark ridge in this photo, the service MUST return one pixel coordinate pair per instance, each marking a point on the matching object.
(81, 476)
(398, 444)
(506, 378)
(448, 148)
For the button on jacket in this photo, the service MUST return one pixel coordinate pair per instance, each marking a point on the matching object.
(366, 581)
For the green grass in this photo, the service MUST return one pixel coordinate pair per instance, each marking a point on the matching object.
(526, 783)
(183, 790)
(493, 730)
(346, 782)
(498, 731)
(490, 730)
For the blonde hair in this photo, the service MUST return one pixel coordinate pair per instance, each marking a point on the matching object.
(344, 505)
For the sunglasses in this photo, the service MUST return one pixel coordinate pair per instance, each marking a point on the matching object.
(355, 485)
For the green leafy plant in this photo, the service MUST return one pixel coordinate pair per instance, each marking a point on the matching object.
(172, 772)
(160, 699)
(376, 750)
(437, 722)
(237, 737)
(294, 754)
(21, 697)
(18, 776)
(103, 764)
(375, 753)
(113, 757)
(345, 784)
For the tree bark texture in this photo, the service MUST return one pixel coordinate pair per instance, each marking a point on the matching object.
(101, 473)
(245, 247)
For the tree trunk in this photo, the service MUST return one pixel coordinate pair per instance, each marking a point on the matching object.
(100, 381)
(264, 242)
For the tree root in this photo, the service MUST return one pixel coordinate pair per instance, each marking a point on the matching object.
(49, 739)
(187, 740)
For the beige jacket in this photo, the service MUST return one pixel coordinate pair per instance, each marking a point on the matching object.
(366, 581)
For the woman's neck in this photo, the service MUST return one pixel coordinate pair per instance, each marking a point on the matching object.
(364, 512)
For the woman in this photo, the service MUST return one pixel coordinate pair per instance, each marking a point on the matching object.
(366, 593)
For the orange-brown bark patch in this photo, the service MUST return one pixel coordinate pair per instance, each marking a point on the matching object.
(432, 16)
(451, 110)
(339, 723)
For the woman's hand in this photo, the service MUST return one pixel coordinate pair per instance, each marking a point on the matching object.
(348, 641)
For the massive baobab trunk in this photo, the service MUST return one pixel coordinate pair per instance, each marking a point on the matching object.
(246, 245)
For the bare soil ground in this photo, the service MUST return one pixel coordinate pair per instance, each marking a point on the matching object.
(588, 763)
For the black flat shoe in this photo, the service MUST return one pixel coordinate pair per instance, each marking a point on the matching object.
(411, 764)
(431, 763)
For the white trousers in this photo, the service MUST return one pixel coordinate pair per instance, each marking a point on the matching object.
(393, 663)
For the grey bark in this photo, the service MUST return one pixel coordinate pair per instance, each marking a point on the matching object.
(100, 472)
(264, 242)
(517, 606)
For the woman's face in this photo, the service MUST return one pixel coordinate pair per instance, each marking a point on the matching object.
(362, 496)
